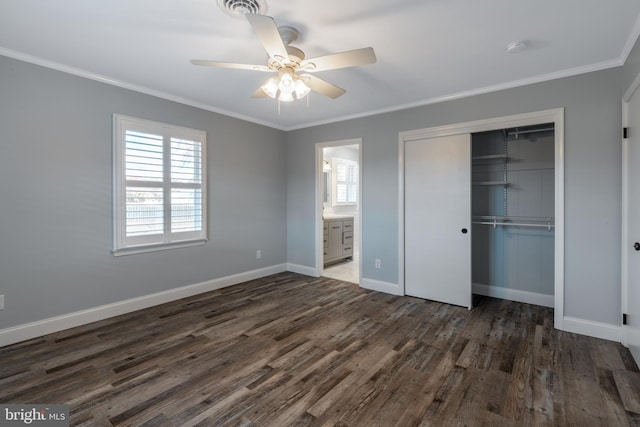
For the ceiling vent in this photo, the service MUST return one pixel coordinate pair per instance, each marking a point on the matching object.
(238, 8)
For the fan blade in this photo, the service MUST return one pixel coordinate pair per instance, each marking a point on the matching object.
(346, 59)
(267, 31)
(219, 64)
(325, 88)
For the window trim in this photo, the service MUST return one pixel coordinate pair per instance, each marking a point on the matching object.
(121, 244)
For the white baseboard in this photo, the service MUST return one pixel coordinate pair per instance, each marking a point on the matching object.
(377, 285)
(590, 328)
(55, 324)
(302, 269)
(514, 295)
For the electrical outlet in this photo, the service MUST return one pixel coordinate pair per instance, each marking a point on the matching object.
(258, 254)
(1, 302)
(378, 263)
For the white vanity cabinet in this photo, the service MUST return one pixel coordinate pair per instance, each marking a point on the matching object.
(338, 239)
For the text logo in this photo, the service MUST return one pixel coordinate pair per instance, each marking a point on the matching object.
(35, 415)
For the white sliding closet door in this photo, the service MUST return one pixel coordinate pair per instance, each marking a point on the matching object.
(438, 219)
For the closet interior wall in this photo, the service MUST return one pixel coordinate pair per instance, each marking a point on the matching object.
(513, 210)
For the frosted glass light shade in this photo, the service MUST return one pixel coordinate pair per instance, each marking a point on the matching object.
(286, 87)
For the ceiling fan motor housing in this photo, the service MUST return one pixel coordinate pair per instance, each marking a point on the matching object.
(296, 56)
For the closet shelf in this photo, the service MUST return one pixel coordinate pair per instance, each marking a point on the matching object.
(491, 157)
(491, 183)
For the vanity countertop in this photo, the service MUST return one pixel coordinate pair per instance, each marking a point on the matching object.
(329, 217)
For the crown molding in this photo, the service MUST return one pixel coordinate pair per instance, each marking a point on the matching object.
(435, 100)
(130, 86)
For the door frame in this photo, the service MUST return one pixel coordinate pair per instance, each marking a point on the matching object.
(320, 146)
(546, 116)
(625, 241)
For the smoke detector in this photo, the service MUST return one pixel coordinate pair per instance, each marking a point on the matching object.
(516, 46)
(238, 8)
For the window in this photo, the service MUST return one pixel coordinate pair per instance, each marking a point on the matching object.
(345, 180)
(159, 186)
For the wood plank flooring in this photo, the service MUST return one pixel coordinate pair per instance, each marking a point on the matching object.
(294, 350)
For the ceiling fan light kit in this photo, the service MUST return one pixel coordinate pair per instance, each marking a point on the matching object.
(286, 61)
(286, 86)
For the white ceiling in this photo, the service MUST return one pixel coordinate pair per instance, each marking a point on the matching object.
(427, 50)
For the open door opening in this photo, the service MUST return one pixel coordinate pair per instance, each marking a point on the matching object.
(454, 176)
(338, 183)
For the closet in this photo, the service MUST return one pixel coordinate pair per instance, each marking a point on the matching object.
(512, 244)
(479, 215)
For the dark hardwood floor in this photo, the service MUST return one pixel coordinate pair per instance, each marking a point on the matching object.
(294, 350)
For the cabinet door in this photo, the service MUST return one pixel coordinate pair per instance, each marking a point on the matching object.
(438, 219)
(335, 239)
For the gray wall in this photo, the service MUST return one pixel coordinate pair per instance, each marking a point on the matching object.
(592, 181)
(631, 67)
(55, 196)
(55, 189)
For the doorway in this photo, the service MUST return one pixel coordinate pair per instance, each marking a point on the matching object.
(406, 139)
(338, 209)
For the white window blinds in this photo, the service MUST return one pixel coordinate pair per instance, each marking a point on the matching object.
(159, 177)
(345, 182)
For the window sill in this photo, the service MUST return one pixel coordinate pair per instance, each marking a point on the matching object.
(155, 248)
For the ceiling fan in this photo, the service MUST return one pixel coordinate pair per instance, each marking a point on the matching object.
(291, 80)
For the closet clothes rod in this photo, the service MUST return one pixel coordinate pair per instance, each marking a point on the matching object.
(520, 132)
(515, 224)
(536, 222)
